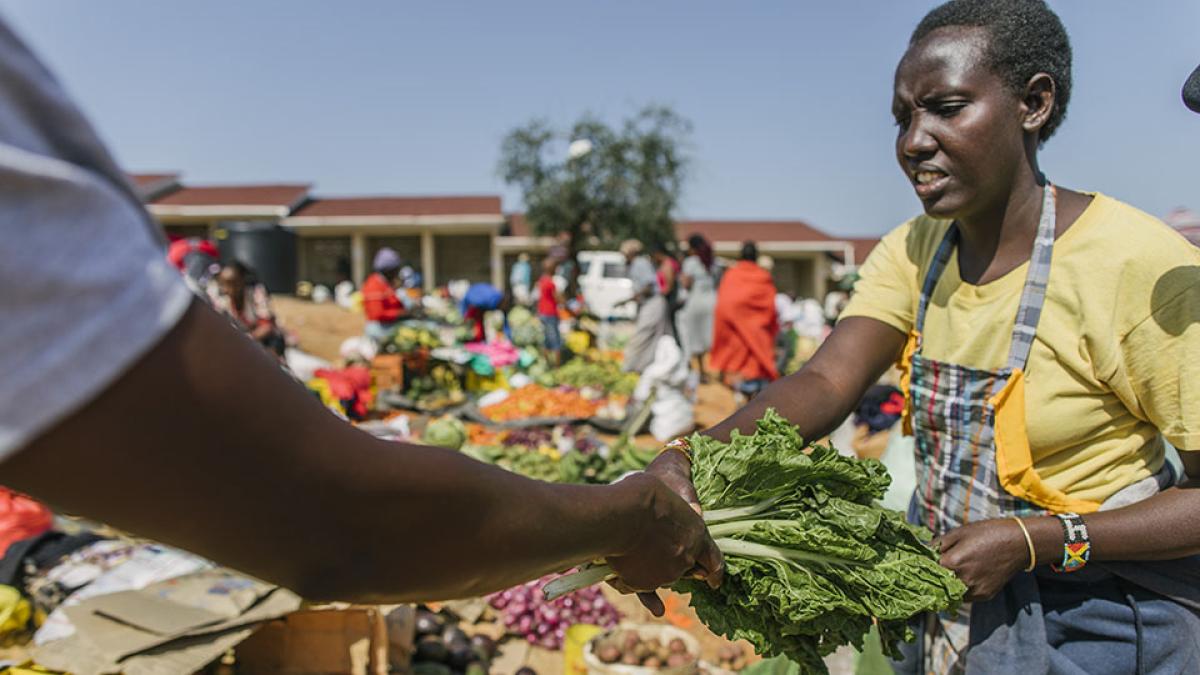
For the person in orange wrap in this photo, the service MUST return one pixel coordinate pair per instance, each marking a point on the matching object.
(383, 307)
(746, 324)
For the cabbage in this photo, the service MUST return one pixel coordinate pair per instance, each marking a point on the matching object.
(446, 432)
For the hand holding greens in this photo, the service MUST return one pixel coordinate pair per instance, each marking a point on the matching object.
(811, 561)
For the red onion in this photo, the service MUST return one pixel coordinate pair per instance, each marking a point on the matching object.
(525, 612)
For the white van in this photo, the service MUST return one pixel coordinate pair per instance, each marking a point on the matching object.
(604, 284)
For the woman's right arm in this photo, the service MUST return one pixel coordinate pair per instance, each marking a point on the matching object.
(822, 393)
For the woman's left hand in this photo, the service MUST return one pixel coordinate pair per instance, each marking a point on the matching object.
(984, 555)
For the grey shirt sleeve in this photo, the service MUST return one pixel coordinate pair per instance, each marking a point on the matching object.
(641, 272)
(85, 289)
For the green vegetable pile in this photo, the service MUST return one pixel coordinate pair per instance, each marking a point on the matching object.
(586, 464)
(446, 432)
(531, 463)
(595, 468)
(600, 373)
(811, 562)
(410, 338)
(525, 327)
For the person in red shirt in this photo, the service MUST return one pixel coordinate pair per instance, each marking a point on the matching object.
(380, 302)
(547, 309)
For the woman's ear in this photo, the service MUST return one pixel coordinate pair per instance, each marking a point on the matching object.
(1038, 102)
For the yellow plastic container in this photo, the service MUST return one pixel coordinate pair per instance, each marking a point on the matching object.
(578, 636)
(578, 341)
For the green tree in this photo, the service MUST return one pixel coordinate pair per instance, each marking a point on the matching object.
(597, 184)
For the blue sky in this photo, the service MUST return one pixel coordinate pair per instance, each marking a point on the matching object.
(790, 100)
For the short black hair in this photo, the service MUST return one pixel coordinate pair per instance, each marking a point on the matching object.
(749, 251)
(1026, 37)
(240, 268)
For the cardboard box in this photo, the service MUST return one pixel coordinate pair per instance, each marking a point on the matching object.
(363, 640)
(387, 371)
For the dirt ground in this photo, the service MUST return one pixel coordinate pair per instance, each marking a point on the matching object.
(319, 329)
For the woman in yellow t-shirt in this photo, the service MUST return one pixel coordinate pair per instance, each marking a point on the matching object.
(1048, 339)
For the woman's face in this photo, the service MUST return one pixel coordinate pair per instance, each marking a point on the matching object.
(959, 133)
(230, 283)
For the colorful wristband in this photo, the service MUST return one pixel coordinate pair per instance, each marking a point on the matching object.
(1077, 546)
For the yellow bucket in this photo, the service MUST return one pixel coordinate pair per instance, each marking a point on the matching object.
(577, 636)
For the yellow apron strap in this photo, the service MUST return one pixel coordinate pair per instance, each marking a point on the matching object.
(904, 365)
(1014, 459)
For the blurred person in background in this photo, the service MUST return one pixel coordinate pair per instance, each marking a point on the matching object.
(480, 299)
(239, 296)
(520, 280)
(653, 314)
(411, 280)
(666, 270)
(549, 300)
(745, 326)
(382, 306)
(196, 259)
(695, 319)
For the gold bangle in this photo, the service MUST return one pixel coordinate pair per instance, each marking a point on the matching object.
(682, 445)
(1029, 543)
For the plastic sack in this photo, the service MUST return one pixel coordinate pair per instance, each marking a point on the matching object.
(672, 412)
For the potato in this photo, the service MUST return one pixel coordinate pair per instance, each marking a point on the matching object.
(609, 653)
(630, 659)
(652, 662)
(677, 659)
(678, 646)
(630, 640)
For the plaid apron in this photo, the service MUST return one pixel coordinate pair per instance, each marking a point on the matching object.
(953, 423)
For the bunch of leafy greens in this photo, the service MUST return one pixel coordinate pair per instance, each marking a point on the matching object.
(811, 561)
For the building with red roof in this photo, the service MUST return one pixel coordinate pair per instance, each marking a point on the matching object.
(443, 237)
(448, 237)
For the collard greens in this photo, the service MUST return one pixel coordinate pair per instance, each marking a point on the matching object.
(811, 561)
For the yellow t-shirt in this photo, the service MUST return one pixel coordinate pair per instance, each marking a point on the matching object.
(1115, 365)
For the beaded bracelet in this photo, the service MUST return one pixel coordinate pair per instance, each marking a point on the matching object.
(1077, 546)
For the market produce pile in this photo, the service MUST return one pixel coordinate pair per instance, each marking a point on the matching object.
(445, 432)
(439, 388)
(410, 338)
(534, 400)
(563, 454)
(526, 328)
(631, 649)
(444, 649)
(811, 561)
(526, 612)
(602, 374)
